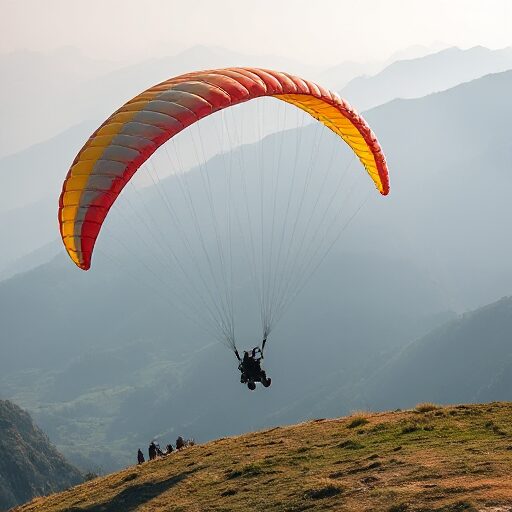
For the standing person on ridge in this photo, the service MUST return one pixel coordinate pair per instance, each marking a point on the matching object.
(152, 450)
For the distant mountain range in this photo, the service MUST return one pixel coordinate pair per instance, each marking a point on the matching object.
(29, 465)
(51, 92)
(31, 179)
(469, 358)
(413, 78)
(114, 365)
(337, 77)
(45, 93)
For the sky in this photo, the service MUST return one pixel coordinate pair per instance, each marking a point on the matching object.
(322, 32)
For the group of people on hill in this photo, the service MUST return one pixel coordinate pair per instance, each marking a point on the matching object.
(155, 451)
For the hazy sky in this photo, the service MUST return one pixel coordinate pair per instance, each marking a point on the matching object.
(323, 32)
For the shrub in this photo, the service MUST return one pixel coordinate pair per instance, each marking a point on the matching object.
(459, 506)
(401, 507)
(410, 427)
(495, 428)
(129, 477)
(323, 492)
(350, 444)
(229, 492)
(357, 421)
(427, 407)
(248, 470)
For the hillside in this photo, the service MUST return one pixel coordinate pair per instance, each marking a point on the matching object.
(29, 465)
(468, 359)
(437, 460)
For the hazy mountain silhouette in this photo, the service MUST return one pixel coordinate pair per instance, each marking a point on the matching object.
(449, 154)
(416, 51)
(31, 182)
(144, 372)
(469, 358)
(35, 174)
(337, 77)
(44, 91)
(413, 78)
(100, 345)
(29, 465)
(50, 92)
(45, 253)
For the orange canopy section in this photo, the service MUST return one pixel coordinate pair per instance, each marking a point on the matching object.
(133, 133)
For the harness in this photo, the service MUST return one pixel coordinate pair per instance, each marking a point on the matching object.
(255, 348)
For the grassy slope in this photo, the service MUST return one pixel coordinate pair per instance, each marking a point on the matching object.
(449, 459)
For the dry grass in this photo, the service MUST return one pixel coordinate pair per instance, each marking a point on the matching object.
(459, 460)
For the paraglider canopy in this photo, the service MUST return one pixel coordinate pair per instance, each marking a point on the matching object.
(134, 132)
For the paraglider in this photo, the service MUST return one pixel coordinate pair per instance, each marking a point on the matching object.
(250, 368)
(127, 139)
